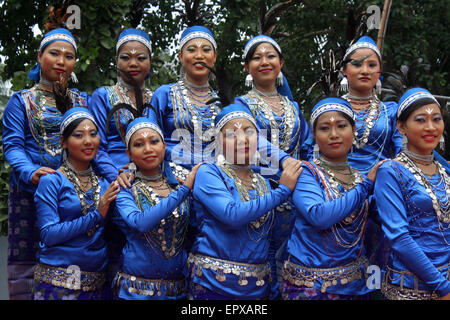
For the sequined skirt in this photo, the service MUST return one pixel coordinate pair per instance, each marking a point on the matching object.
(69, 278)
(224, 268)
(400, 292)
(150, 287)
(302, 276)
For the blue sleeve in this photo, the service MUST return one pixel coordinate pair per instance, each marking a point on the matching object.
(146, 220)
(160, 101)
(13, 139)
(396, 137)
(310, 201)
(53, 231)
(304, 137)
(100, 107)
(211, 190)
(393, 215)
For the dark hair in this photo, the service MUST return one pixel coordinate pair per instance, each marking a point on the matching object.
(414, 106)
(252, 50)
(346, 116)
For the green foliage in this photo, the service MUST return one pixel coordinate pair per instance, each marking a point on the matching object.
(305, 31)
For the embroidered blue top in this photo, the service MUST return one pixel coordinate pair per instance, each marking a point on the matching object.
(418, 238)
(64, 238)
(112, 134)
(383, 136)
(31, 134)
(144, 222)
(329, 226)
(112, 149)
(225, 231)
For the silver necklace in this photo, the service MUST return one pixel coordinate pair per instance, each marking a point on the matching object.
(156, 177)
(270, 94)
(442, 208)
(420, 157)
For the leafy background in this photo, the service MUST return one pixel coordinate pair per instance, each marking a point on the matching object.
(304, 29)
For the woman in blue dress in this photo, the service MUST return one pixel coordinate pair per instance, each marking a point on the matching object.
(154, 215)
(413, 197)
(376, 135)
(133, 53)
(232, 256)
(326, 256)
(32, 147)
(182, 109)
(277, 115)
(71, 207)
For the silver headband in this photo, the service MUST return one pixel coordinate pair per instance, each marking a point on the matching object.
(330, 107)
(258, 40)
(142, 125)
(360, 45)
(413, 98)
(195, 35)
(134, 37)
(56, 37)
(77, 115)
(234, 115)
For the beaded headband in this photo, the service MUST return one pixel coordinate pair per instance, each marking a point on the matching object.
(413, 98)
(58, 37)
(234, 115)
(142, 125)
(330, 107)
(260, 39)
(359, 45)
(134, 37)
(74, 116)
(195, 35)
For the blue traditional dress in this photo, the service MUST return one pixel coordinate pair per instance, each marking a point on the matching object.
(112, 133)
(415, 215)
(376, 139)
(188, 123)
(418, 266)
(232, 256)
(30, 140)
(72, 251)
(112, 150)
(288, 131)
(326, 253)
(153, 261)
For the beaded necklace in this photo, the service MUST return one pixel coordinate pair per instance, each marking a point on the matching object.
(442, 207)
(281, 134)
(368, 122)
(119, 94)
(72, 176)
(364, 126)
(44, 120)
(186, 111)
(168, 236)
(258, 184)
(354, 223)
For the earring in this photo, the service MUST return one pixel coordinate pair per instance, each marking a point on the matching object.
(279, 81)
(404, 142)
(249, 80)
(64, 155)
(316, 151)
(378, 87)
(255, 159)
(442, 143)
(343, 86)
(132, 167)
(73, 77)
